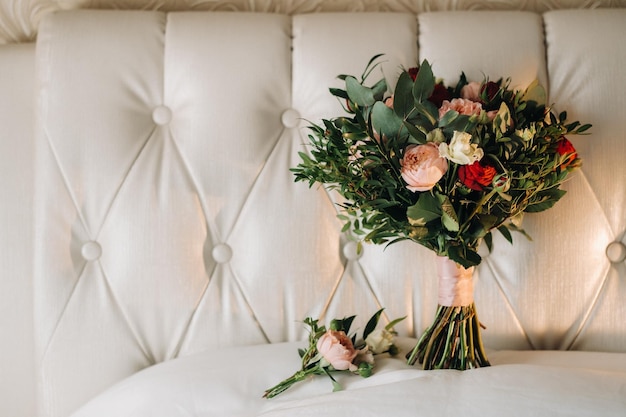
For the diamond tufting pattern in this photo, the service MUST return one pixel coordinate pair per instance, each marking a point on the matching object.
(168, 221)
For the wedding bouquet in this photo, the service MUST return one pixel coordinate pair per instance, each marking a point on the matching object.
(442, 166)
(334, 350)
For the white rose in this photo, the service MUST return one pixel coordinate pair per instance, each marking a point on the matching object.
(460, 150)
(379, 341)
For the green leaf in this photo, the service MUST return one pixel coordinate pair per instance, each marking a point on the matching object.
(535, 92)
(338, 92)
(501, 121)
(386, 122)
(379, 89)
(370, 66)
(506, 233)
(550, 197)
(429, 111)
(449, 218)
(372, 323)
(489, 241)
(424, 84)
(358, 93)
(336, 385)
(464, 256)
(403, 96)
(415, 133)
(425, 210)
(392, 323)
(448, 118)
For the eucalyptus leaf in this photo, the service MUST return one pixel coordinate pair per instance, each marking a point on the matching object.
(426, 209)
(338, 92)
(424, 84)
(403, 96)
(358, 93)
(379, 89)
(429, 111)
(386, 122)
(448, 118)
(418, 136)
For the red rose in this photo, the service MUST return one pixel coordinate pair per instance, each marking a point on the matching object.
(491, 88)
(565, 148)
(413, 72)
(476, 176)
(440, 93)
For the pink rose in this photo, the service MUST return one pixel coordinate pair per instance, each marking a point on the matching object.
(461, 105)
(471, 91)
(422, 166)
(337, 348)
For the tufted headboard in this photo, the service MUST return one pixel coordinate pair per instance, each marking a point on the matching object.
(167, 221)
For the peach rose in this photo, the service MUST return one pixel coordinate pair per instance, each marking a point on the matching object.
(471, 91)
(461, 105)
(337, 348)
(422, 166)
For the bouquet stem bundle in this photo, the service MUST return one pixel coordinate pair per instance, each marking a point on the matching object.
(453, 341)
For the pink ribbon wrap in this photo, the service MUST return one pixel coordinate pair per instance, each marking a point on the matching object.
(456, 286)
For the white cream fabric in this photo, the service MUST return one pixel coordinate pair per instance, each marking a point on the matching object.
(17, 63)
(231, 383)
(168, 223)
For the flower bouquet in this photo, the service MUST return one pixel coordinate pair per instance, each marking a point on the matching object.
(442, 166)
(333, 350)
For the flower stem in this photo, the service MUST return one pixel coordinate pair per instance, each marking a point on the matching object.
(287, 383)
(453, 341)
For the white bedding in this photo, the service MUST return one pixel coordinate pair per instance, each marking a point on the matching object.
(520, 383)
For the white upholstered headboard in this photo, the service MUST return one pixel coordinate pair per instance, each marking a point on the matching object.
(167, 221)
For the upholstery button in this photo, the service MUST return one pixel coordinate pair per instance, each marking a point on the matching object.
(350, 251)
(222, 253)
(161, 115)
(91, 251)
(616, 252)
(290, 118)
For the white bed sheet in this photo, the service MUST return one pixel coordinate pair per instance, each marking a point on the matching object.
(231, 383)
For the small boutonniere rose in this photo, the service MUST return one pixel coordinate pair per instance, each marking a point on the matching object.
(332, 350)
